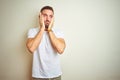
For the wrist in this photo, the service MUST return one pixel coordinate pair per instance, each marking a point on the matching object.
(42, 29)
(49, 30)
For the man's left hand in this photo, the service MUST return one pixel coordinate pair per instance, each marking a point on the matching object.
(51, 24)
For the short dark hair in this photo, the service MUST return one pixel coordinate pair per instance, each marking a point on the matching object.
(47, 7)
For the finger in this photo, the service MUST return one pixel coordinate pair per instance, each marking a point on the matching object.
(52, 22)
(40, 16)
(53, 19)
(41, 19)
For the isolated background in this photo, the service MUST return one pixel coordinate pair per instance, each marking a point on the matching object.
(92, 34)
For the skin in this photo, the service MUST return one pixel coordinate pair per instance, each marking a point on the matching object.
(46, 20)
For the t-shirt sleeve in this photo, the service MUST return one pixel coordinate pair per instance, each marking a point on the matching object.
(31, 33)
(59, 34)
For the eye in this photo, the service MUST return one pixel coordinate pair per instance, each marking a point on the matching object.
(44, 15)
(51, 16)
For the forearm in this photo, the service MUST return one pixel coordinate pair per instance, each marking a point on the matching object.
(33, 43)
(58, 43)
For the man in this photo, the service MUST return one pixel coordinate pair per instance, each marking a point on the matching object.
(46, 44)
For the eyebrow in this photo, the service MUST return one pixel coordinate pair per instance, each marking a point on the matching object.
(49, 15)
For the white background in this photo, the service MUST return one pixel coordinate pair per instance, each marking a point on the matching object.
(92, 34)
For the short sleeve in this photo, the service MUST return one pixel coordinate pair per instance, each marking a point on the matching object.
(31, 33)
(59, 33)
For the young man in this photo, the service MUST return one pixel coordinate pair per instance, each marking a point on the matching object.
(46, 44)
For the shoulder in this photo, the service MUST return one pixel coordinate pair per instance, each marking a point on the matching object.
(58, 32)
(32, 32)
(36, 29)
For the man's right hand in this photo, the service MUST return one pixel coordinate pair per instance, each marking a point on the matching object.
(33, 43)
(41, 21)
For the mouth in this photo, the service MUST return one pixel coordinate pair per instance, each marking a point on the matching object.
(47, 23)
(46, 26)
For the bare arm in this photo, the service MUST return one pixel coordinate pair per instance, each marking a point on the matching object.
(58, 43)
(33, 43)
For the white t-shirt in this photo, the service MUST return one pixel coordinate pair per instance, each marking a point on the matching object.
(46, 61)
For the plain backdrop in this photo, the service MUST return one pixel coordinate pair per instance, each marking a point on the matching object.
(92, 34)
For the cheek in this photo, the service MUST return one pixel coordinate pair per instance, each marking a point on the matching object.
(50, 19)
(44, 19)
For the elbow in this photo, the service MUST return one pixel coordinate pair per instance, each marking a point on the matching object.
(61, 50)
(30, 49)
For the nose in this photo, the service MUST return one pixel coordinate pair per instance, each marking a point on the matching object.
(47, 18)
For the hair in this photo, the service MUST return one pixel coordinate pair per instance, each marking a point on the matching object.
(47, 7)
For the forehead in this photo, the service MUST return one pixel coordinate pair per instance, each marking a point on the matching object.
(47, 11)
